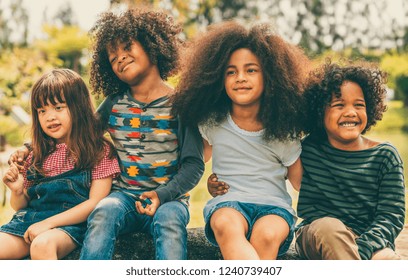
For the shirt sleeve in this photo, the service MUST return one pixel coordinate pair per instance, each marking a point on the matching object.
(191, 167)
(27, 164)
(104, 110)
(107, 167)
(204, 131)
(291, 152)
(390, 215)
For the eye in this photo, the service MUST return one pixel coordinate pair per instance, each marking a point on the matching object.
(40, 111)
(230, 72)
(113, 59)
(59, 107)
(339, 105)
(252, 70)
(360, 105)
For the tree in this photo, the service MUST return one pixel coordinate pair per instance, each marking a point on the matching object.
(13, 25)
(68, 43)
(20, 67)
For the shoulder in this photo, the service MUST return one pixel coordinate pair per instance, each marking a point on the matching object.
(389, 152)
(108, 102)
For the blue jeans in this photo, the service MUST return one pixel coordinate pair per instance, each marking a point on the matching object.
(116, 214)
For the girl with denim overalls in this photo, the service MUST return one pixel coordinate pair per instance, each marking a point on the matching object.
(69, 170)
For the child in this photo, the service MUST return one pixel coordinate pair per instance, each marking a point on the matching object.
(160, 158)
(68, 172)
(243, 88)
(352, 194)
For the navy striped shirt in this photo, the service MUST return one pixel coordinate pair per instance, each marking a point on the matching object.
(364, 189)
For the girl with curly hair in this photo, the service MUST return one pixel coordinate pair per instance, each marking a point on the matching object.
(352, 195)
(161, 160)
(243, 88)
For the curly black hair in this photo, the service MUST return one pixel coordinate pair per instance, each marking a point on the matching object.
(201, 96)
(157, 33)
(327, 79)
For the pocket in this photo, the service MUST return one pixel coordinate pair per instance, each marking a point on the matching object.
(80, 192)
(20, 215)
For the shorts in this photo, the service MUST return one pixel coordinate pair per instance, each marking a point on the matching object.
(252, 212)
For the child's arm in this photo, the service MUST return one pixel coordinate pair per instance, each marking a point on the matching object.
(389, 216)
(207, 151)
(100, 188)
(295, 172)
(191, 167)
(19, 156)
(15, 182)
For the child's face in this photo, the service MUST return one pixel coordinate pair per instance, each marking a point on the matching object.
(244, 82)
(129, 65)
(346, 117)
(55, 121)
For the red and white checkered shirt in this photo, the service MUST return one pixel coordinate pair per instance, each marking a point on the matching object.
(59, 162)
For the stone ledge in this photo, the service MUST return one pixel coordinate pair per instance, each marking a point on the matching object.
(139, 246)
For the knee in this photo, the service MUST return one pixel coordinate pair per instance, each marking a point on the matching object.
(326, 229)
(269, 237)
(42, 247)
(221, 225)
(172, 215)
(104, 213)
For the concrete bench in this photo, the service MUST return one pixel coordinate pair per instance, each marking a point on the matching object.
(139, 246)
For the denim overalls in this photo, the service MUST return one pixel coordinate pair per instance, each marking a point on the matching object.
(50, 196)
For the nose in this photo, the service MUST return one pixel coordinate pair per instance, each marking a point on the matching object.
(350, 112)
(122, 57)
(241, 77)
(50, 117)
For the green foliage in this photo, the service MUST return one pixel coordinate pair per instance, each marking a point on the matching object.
(397, 67)
(15, 134)
(395, 119)
(68, 43)
(20, 67)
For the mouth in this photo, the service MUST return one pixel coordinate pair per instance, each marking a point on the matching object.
(242, 88)
(349, 124)
(124, 65)
(53, 127)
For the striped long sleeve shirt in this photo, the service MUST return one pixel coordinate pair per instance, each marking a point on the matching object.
(364, 189)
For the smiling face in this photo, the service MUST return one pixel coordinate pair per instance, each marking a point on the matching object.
(346, 117)
(130, 64)
(55, 121)
(244, 82)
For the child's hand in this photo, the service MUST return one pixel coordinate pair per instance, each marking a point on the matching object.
(149, 209)
(216, 187)
(36, 229)
(14, 179)
(18, 157)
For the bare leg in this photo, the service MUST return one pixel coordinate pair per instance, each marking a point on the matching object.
(230, 229)
(268, 233)
(52, 245)
(12, 247)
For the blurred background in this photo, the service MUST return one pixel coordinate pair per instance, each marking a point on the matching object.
(36, 36)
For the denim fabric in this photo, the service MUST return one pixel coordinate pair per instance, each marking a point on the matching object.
(252, 212)
(116, 215)
(50, 196)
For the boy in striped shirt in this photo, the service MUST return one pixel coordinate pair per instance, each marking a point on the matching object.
(352, 196)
